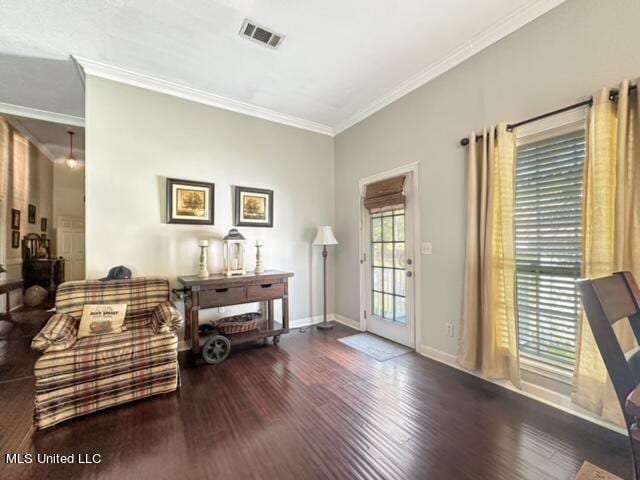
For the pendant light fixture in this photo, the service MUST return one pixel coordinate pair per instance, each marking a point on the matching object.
(71, 161)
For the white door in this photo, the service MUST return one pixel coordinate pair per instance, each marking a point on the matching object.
(388, 260)
(70, 246)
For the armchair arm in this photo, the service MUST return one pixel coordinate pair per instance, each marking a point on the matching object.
(60, 333)
(166, 318)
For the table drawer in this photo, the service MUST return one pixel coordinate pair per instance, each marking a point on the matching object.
(221, 296)
(266, 291)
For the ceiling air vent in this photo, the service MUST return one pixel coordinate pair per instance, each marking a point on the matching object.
(260, 34)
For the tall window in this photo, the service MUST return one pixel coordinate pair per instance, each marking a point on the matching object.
(388, 265)
(549, 195)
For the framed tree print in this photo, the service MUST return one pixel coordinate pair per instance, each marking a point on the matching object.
(253, 207)
(190, 202)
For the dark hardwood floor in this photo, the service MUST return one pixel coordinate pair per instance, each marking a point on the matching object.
(308, 408)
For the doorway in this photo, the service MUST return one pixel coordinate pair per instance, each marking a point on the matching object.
(389, 267)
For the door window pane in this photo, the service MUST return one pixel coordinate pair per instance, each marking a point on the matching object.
(399, 260)
(398, 228)
(388, 280)
(388, 306)
(387, 254)
(377, 279)
(377, 254)
(377, 304)
(400, 281)
(387, 229)
(376, 229)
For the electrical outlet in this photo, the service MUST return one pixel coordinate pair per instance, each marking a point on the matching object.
(426, 248)
(450, 329)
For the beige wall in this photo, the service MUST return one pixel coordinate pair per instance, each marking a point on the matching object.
(68, 192)
(26, 177)
(137, 138)
(554, 61)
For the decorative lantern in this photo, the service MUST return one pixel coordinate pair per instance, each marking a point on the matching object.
(233, 253)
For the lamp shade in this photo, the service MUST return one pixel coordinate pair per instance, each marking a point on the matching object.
(325, 236)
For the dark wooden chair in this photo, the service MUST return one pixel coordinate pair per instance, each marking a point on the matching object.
(607, 300)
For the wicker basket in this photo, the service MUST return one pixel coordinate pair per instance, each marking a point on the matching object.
(239, 323)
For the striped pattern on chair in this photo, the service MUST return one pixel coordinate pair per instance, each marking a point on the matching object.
(105, 370)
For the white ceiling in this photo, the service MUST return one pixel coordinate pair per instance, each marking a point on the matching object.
(51, 138)
(340, 61)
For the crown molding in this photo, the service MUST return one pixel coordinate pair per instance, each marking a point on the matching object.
(47, 116)
(148, 82)
(479, 42)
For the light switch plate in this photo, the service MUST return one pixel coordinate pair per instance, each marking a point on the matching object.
(426, 248)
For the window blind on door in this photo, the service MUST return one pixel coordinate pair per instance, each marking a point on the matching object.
(386, 194)
(549, 197)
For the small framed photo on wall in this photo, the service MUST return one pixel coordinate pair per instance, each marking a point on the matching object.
(43, 224)
(15, 239)
(15, 219)
(253, 207)
(190, 202)
(32, 214)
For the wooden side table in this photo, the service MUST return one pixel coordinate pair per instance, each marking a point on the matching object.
(220, 291)
(6, 286)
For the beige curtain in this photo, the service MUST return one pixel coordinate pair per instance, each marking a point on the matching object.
(488, 341)
(611, 230)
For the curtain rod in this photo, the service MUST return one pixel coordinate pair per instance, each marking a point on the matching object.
(613, 93)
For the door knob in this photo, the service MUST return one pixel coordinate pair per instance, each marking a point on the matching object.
(409, 261)
(409, 274)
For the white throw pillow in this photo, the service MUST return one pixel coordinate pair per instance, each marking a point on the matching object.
(102, 319)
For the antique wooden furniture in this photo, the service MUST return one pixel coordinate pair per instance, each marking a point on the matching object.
(219, 291)
(6, 286)
(38, 268)
(607, 300)
(76, 376)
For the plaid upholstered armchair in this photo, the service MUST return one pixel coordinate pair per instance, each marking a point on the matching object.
(79, 376)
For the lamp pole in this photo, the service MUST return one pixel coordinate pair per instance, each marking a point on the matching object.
(324, 325)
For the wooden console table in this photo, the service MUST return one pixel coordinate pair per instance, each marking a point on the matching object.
(220, 291)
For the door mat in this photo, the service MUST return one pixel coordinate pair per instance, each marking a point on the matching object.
(374, 346)
(591, 472)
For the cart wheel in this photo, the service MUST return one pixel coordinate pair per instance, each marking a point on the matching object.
(216, 349)
(276, 339)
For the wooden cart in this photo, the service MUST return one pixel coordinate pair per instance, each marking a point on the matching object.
(220, 291)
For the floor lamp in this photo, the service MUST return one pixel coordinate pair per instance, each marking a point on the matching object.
(324, 237)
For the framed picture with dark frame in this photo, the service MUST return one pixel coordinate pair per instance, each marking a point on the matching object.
(190, 202)
(253, 207)
(43, 224)
(32, 214)
(15, 219)
(15, 239)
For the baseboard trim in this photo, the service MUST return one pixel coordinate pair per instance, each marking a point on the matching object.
(530, 390)
(349, 322)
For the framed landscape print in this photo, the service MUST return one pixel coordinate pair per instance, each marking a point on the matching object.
(15, 239)
(190, 202)
(15, 219)
(32, 213)
(43, 224)
(253, 207)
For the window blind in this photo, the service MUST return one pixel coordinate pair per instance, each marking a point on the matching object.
(385, 195)
(548, 218)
